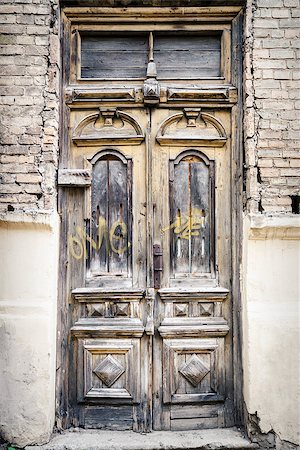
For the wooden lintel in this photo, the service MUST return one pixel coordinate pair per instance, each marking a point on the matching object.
(105, 14)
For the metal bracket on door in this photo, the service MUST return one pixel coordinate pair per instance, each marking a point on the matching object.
(157, 265)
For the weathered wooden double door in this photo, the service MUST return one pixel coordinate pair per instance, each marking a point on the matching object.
(145, 204)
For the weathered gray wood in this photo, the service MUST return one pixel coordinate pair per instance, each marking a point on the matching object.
(187, 56)
(118, 219)
(194, 411)
(197, 321)
(74, 177)
(114, 56)
(198, 94)
(191, 217)
(109, 417)
(201, 205)
(237, 219)
(111, 230)
(198, 423)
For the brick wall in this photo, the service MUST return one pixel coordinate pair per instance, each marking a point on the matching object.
(29, 50)
(29, 56)
(272, 119)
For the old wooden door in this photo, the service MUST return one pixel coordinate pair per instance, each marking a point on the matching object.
(145, 202)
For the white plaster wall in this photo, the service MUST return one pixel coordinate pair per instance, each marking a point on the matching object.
(271, 324)
(28, 308)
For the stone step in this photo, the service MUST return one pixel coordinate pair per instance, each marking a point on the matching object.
(213, 439)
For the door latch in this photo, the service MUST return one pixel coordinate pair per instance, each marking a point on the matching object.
(157, 265)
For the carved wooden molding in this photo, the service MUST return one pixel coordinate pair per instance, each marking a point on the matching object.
(108, 126)
(193, 327)
(145, 14)
(95, 294)
(80, 95)
(192, 127)
(74, 177)
(217, 294)
(228, 95)
(115, 327)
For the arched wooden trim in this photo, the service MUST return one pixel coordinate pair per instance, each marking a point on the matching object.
(131, 133)
(192, 152)
(193, 134)
(108, 152)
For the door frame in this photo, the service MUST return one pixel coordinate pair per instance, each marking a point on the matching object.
(219, 16)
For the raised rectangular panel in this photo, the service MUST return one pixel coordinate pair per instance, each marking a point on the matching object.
(111, 370)
(193, 370)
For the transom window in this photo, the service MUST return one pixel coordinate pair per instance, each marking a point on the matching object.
(177, 55)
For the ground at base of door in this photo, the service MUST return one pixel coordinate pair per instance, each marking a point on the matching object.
(213, 439)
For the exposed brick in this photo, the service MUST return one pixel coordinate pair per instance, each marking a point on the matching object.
(273, 86)
(29, 103)
(28, 84)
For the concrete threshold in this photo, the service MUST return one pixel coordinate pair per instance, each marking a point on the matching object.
(213, 439)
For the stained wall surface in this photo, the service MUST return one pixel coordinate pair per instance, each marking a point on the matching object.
(28, 280)
(271, 332)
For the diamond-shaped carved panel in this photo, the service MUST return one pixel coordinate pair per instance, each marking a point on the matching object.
(194, 370)
(96, 309)
(181, 309)
(206, 309)
(121, 309)
(109, 370)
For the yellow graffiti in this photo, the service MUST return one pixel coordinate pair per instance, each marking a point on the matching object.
(77, 243)
(188, 225)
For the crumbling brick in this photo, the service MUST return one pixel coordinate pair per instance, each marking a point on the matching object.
(272, 72)
(28, 101)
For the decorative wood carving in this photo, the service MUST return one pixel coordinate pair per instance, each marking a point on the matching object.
(193, 327)
(96, 294)
(217, 294)
(194, 370)
(191, 126)
(206, 309)
(96, 310)
(102, 323)
(109, 370)
(108, 327)
(108, 126)
(82, 94)
(121, 309)
(228, 95)
(181, 309)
